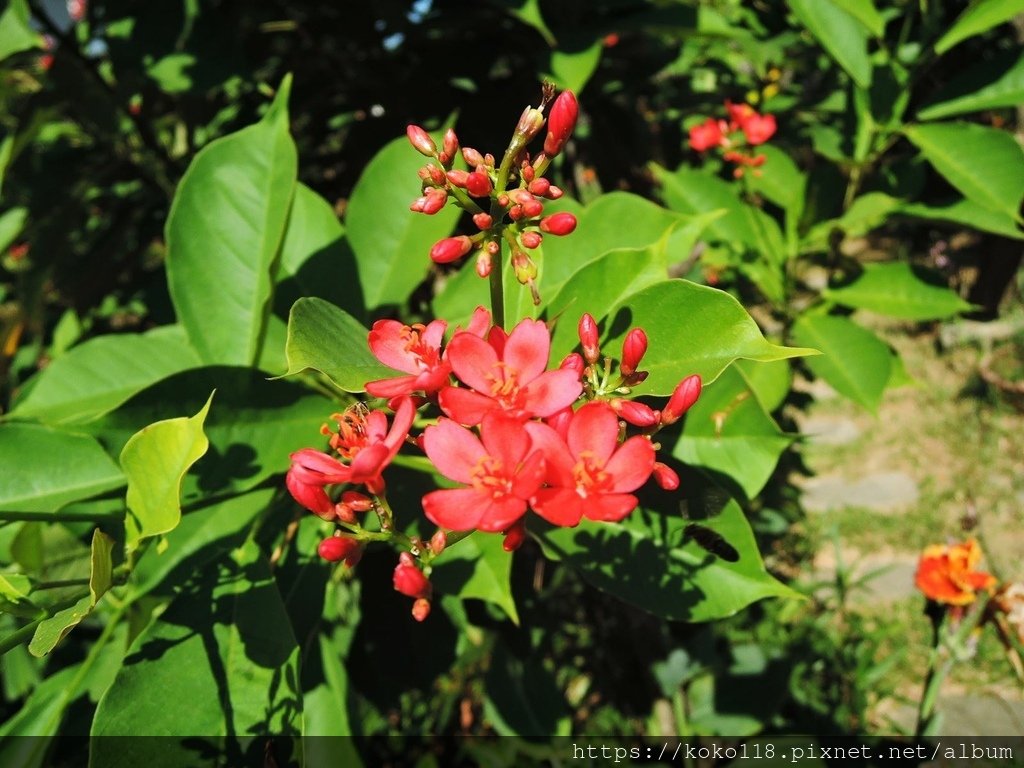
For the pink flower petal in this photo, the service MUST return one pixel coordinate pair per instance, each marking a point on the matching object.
(559, 506)
(465, 405)
(369, 463)
(610, 507)
(558, 462)
(400, 425)
(473, 361)
(594, 428)
(317, 468)
(388, 346)
(552, 391)
(631, 465)
(457, 509)
(312, 497)
(499, 514)
(504, 438)
(527, 349)
(400, 385)
(376, 427)
(433, 334)
(454, 450)
(530, 476)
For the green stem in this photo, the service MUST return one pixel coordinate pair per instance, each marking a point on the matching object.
(497, 294)
(19, 637)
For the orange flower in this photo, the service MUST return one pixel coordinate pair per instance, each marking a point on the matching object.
(947, 574)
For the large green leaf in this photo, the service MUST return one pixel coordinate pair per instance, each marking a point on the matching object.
(16, 33)
(44, 468)
(691, 329)
(980, 16)
(781, 181)
(477, 567)
(894, 289)
(990, 84)
(571, 69)
(866, 13)
(728, 431)
(223, 234)
(53, 629)
(985, 164)
(224, 646)
(840, 33)
(100, 374)
(669, 573)
(391, 243)
(155, 460)
(12, 222)
(692, 192)
(324, 338)
(969, 214)
(770, 382)
(252, 429)
(854, 361)
(867, 212)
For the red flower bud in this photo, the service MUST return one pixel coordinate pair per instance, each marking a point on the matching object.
(634, 347)
(451, 143)
(437, 175)
(450, 249)
(421, 140)
(483, 263)
(514, 536)
(574, 361)
(493, 247)
(530, 239)
(589, 339)
(635, 413)
(409, 580)
(458, 178)
(561, 122)
(539, 187)
(515, 212)
(533, 208)
(558, 223)
(438, 542)
(432, 202)
(358, 501)
(337, 548)
(478, 184)
(472, 157)
(554, 192)
(503, 200)
(665, 476)
(527, 172)
(483, 220)
(684, 396)
(421, 609)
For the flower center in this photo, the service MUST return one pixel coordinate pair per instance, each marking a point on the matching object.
(489, 475)
(351, 436)
(505, 388)
(590, 475)
(426, 355)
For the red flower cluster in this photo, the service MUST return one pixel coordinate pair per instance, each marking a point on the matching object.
(736, 136)
(510, 436)
(506, 199)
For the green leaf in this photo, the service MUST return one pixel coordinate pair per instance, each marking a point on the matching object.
(255, 425)
(770, 382)
(868, 211)
(12, 222)
(781, 181)
(52, 630)
(969, 214)
(571, 70)
(477, 567)
(528, 12)
(866, 13)
(391, 243)
(16, 33)
(980, 16)
(324, 338)
(224, 645)
(728, 431)
(523, 697)
(894, 289)
(15, 586)
(313, 255)
(45, 468)
(691, 329)
(100, 374)
(692, 192)
(985, 164)
(223, 234)
(840, 33)
(670, 575)
(854, 361)
(990, 84)
(155, 461)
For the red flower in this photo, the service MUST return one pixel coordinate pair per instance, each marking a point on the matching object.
(364, 440)
(738, 114)
(415, 350)
(507, 372)
(499, 474)
(589, 473)
(707, 135)
(759, 128)
(947, 574)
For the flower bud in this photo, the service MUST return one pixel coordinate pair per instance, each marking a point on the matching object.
(483, 220)
(451, 143)
(525, 269)
(312, 497)
(514, 536)
(345, 513)
(530, 239)
(516, 212)
(539, 187)
(353, 560)
(561, 122)
(421, 140)
(493, 247)
(588, 338)
(358, 501)
(409, 580)
(458, 178)
(665, 476)
(437, 175)
(635, 413)
(450, 249)
(472, 157)
(558, 223)
(336, 548)
(533, 208)
(421, 609)
(527, 172)
(438, 542)
(634, 347)
(574, 361)
(432, 202)
(554, 192)
(503, 200)
(684, 396)
(489, 160)
(530, 122)
(483, 263)
(478, 184)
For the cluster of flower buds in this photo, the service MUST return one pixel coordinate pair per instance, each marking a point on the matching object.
(512, 434)
(506, 199)
(736, 137)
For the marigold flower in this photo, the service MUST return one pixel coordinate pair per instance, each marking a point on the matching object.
(506, 373)
(589, 473)
(708, 134)
(413, 349)
(948, 574)
(500, 471)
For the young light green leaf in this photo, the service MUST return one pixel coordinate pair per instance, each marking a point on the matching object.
(477, 568)
(571, 69)
(391, 243)
(840, 33)
(224, 230)
(985, 164)
(102, 373)
(895, 289)
(980, 16)
(15, 586)
(155, 461)
(866, 13)
(325, 338)
(969, 214)
(46, 468)
(854, 361)
(16, 33)
(989, 84)
(11, 224)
